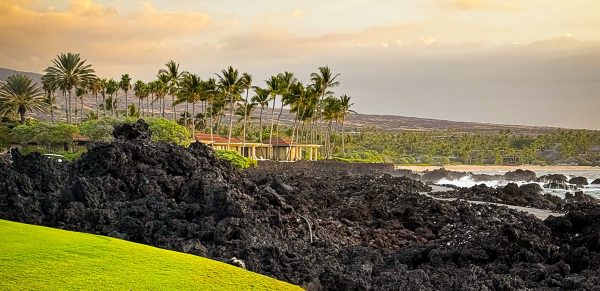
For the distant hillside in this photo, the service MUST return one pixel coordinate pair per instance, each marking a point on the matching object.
(5, 73)
(354, 121)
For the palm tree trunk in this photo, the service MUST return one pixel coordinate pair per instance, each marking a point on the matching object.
(194, 120)
(187, 118)
(343, 134)
(210, 110)
(163, 106)
(230, 123)
(81, 114)
(22, 115)
(69, 114)
(140, 109)
(97, 109)
(277, 123)
(173, 107)
(270, 150)
(126, 106)
(245, 120)
(260, 122)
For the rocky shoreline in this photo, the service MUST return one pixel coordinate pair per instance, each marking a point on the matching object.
(323, 226)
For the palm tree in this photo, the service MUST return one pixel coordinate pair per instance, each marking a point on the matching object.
(102, 85)
(69, 72)
(191, 91)
(247, 84)
(212, 95)
(95, 88)
(139, 90)
(230, 84)
(125, 85)
(49, 88)
(111, 88)
(172, 76)
(80, 92)
(323, 81)
(274, 90)
(286, 81)
(344, 111)
(261, 98)
(331, 113)
(19, 94)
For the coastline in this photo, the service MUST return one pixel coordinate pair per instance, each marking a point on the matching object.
(476, 168)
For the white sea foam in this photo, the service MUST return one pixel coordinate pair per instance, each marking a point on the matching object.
(468, 181)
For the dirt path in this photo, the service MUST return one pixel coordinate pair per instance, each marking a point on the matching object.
(539, 213)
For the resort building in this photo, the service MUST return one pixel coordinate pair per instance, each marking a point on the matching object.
(280, 149)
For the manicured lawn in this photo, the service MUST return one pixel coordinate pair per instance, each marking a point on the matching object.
(41, 258)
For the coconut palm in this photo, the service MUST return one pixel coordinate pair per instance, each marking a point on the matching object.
(190, 92)
(80, 92)
(171, 78)
(261, 98)
(49, 87)
(231, 85)
(95, 88)
(69, 72)
(344, 111)
(286, 81)
(161, 90)
(331, 113)
(139, 90)
(125, 86)
(274, 90)
(19, 94)
(323, 81)
(111, 88)
(247, 84)
(244, 111)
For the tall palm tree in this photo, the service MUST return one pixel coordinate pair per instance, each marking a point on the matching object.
(68, 72)
(162, 89)
(49, 87)
(286, 81)
(244, 111)
(125, 85)
(139, 90)
(111, 88)
(19, 94)
(95, 88)
(274, 90)
(80, 92)
(231, 85)
(102, 85)
(191, 91)
(247, 84)
(212, 95)
(331, 113)
(344, 111)
(323, 81)
(172, 76)
(261, 98)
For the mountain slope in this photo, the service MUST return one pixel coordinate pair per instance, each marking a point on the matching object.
(5, 73)
(41, 258)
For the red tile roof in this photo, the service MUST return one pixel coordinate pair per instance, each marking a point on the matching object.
(205, 137)
(277, 141)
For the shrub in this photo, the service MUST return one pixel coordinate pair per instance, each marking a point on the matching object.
(101, 129)
(236, 159)
(169, 131)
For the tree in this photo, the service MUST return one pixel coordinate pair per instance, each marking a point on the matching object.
(274, 90)
(261, 98)
(125, 85)
(286, 81)
(49, 87)
(80, 92)
(323, 81)
(247, 84)
(69, 72)
(331, 113)
(344, 111)
(191, 91)
(18, 95)
(140, 90)
(171, 77)
(230, 84)
(95, 88)
(111, 88)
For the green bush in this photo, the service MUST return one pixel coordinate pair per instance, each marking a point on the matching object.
(44, 133)
(101, 129)
(236, 159)
(169, 131)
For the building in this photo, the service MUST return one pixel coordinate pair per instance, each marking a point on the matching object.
(280, 149)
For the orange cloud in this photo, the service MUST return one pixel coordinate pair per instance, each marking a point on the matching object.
(101, 33)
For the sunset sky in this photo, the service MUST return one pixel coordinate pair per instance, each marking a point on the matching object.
(534, 62)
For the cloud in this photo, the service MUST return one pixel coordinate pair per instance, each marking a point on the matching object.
(101, 33)
(467, 5)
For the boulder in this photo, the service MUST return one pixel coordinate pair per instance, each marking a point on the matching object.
(579, 181)
(520, 175)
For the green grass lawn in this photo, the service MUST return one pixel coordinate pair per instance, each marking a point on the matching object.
(41, 258)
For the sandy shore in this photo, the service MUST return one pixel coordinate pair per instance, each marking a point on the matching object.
(471, 168)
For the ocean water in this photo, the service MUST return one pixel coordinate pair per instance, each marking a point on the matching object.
(591, 175)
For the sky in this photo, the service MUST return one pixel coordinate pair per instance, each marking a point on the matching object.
(531, 62)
